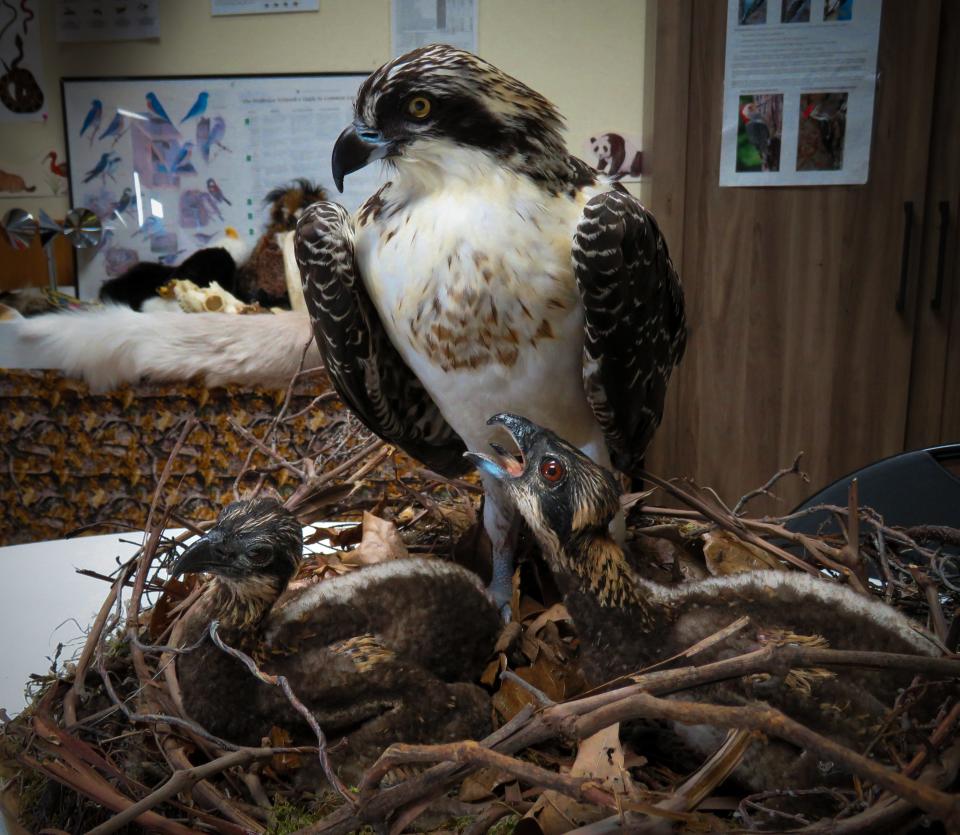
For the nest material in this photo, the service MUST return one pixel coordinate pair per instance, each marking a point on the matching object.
(104, 749)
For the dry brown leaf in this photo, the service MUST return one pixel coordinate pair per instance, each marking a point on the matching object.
(281, 763)
(380, 542)
(481, 784)
(599, 757)
(725, 553)
(174, 592)
(556, 814)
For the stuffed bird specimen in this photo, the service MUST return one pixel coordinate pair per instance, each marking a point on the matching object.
(493, 271)
(379, 655)
(626, 622)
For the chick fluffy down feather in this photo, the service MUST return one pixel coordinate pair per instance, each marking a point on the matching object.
(117, 345)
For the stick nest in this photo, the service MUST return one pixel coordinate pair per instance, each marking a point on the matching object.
(103, 749)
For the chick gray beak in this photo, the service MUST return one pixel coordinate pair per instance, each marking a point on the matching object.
(202, 555)
(523, 431)
(353, 150)
(503, 465)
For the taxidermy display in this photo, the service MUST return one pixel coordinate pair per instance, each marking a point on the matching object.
(378, 655)
(139, 286)
(494, 271)
(270, 275)
(626, 622)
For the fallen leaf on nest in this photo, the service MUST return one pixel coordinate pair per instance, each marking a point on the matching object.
(481, 784)
(380, 542)
(555, 680)
(725, 553)
(600, 757)
(174, 592)
(281, 763)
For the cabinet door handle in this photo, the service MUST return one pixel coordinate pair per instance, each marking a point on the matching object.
(905, 255)
(941, 254)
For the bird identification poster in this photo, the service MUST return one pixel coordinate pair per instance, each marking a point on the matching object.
(169, 164)
(799, 84)
(416, 23)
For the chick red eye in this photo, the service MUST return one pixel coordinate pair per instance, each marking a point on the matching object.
(552, 470)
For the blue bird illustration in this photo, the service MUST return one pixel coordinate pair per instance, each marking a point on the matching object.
(153, 225)
(198, 108)
(125, 202)
(203, 137)
(92, 119)
(156, 109)
(207, 200)
(112, 164)
(116, 128)
(215, 192)
(99, 168)
(217, 131)
(172, 157)
(181, 162)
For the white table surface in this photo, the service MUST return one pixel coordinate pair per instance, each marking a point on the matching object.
(44, 602)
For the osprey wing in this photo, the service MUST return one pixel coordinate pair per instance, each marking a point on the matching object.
(634, 320)
(366, 370)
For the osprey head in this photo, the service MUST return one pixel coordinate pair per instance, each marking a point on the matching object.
(251, 540)
(436, 98)
(559, 491)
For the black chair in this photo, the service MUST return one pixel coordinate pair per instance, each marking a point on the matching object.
(908, 490)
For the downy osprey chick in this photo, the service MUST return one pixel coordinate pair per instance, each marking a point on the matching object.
(626, 623)
(384, 654)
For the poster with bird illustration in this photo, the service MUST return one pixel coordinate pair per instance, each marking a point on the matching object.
(170, 164)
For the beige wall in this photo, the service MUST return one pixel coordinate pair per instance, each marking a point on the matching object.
(587, 56)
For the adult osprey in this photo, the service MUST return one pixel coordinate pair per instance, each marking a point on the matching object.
(494, 272)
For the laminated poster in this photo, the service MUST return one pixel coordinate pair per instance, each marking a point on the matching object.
(799, 84)
(170, 164)
(416, 23)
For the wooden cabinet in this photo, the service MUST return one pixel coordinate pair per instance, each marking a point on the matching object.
(796, 340)
(934, 405)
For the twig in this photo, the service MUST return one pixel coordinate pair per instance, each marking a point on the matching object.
(181, 780)
(793, 469)
(932, 594)
(284, 685)
(542, 698)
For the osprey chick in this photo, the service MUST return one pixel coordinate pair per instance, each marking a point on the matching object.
(627, 623)
(378, 655)
(493, 272)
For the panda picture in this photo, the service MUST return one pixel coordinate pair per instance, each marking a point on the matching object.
(614, 155)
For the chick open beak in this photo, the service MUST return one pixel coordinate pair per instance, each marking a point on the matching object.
(503, 465)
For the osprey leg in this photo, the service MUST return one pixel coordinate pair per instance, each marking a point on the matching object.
(502, 524)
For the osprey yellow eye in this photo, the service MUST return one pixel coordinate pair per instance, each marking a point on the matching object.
(419, 107)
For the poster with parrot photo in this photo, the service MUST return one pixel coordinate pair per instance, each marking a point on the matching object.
(171, 165)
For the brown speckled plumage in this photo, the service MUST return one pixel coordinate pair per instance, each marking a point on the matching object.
(626, 623)
(382, 655)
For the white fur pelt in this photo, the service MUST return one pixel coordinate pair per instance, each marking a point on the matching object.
(118, 345)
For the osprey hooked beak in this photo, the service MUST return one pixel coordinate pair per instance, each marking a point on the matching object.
(355, 148)
(202, 556)
(503, 465)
